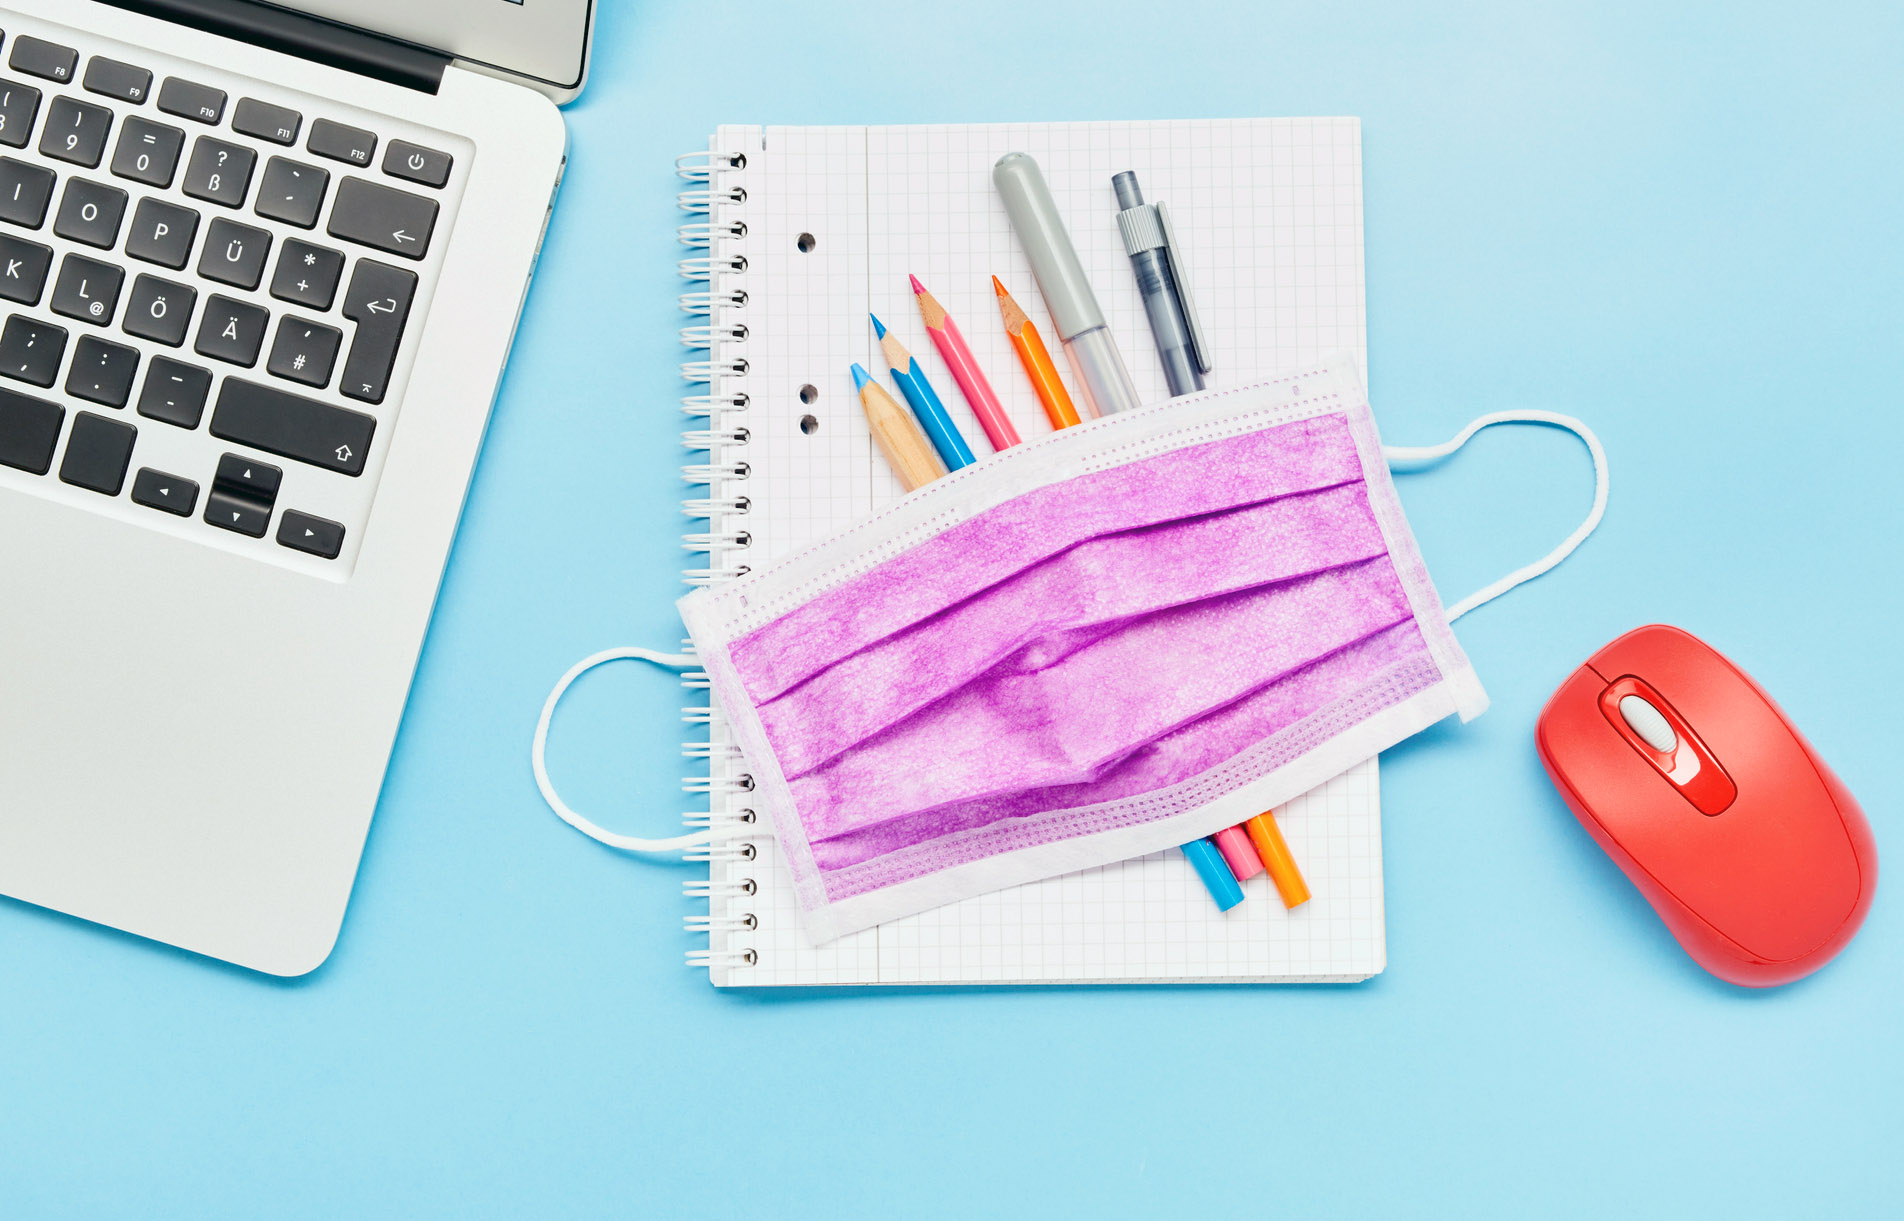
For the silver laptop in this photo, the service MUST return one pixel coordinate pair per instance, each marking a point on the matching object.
(260, 266)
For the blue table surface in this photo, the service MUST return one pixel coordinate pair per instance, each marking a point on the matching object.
(1680, 222)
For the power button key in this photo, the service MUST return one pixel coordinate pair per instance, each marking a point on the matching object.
(415, 163)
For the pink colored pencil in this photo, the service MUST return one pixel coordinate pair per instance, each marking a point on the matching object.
(971, 379)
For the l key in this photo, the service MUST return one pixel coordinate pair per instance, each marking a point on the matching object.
(379, 303)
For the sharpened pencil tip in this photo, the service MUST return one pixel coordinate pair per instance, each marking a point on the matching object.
(916, 286)
(860, 376)
(998, 290)
(879, 328)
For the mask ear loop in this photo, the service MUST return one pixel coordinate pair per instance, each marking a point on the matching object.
(537, 752)
(1422, 455)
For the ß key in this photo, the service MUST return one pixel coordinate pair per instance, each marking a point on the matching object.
(219, 172)
(75, 131)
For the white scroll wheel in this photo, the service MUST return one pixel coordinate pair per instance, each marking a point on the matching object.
(1646, 721)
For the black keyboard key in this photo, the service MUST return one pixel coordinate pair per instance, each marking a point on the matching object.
(379, 303)
(248, 477)
(25, 190)
(239, 513)
(147, 152)
(127, 82)
(416, 163)
(90, 212)
(292, 192)
(87, 289)
(292, 426)
(174, 392)
(189, 100)
(231, 330)
(19, 105)
(234, 254)
(219, 172)
(159, 310)
(278, 124)
(341, 143)
(389, 219)
(38, 57)
(75, 131)
(102, 372)
(316, 535)
(23, 268)
(30, 351)
(98, 453)
(168, 493)
(162, 233)
(304, 352)
(307, 275)
(29, 431)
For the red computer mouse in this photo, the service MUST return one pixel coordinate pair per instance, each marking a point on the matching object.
(1692, 780)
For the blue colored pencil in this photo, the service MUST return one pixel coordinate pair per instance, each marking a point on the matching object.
(912, 383)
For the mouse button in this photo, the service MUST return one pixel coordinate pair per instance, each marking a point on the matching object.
(1781, 877)
(1659, 734)
(1646, 720)
(1654, 651)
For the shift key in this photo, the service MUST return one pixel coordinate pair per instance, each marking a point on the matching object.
(378, 301)
(292, 426)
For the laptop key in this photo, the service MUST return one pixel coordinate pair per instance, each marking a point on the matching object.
(234, 254)
(25, 190)
(147, 152)
(304, 352)
(239, 513)
(29, 431)
(417, 163)
(384, 217)
(219, 172)
(23, 268)
(278, 124)
(87, 289)
(292, 192)
(98, 453)
(307, 275)
(75, 131)
(30, 351)
(127, 82)
(167, 493)
(379, 303)
(190, 100)
(159, 310)
(38, 57)
(317, 536)
(341, 143)
(231, 330)
(174, 392)
(292, 426)
(102, 372)
(90, 212)
(162, 233)
(19, 106)
(249, 477)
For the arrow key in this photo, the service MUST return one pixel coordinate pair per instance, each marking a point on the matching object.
(315, 535)
(238, 513)
(167, 493)
(383, 217)
(292, 192)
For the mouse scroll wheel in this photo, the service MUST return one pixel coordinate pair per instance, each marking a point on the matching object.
(1647, 721)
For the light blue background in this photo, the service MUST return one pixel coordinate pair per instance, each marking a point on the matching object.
(1680, 222)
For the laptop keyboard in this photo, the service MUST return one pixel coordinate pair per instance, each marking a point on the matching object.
(207, 284)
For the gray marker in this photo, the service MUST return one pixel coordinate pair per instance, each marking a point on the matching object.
(1100, 371)
(1152, 246)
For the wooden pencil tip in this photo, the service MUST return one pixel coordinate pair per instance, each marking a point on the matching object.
(998, 290)
(916, 286)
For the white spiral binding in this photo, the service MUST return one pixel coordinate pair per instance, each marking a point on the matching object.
(717, 237)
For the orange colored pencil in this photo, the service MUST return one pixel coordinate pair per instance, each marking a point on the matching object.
(1031, 354)
(1274, 851)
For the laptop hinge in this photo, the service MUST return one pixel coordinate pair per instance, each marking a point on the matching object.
(312, 38)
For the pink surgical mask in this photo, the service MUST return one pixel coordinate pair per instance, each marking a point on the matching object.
(1094, 646)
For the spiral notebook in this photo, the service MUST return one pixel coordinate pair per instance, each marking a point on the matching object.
(798, 233)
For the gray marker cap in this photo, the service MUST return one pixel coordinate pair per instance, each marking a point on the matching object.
(1034, 217)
